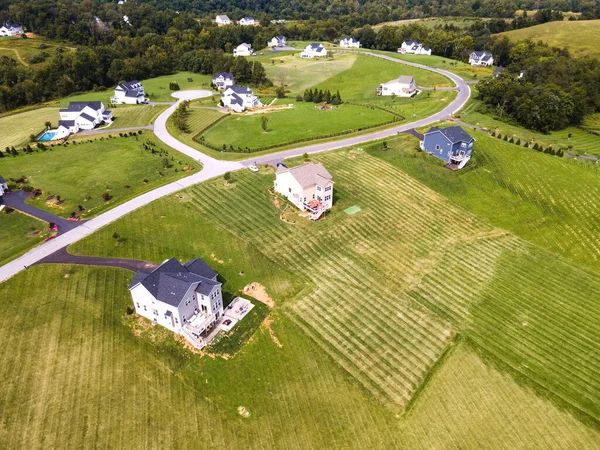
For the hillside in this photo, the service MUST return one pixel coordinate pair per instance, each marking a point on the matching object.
(580, 37)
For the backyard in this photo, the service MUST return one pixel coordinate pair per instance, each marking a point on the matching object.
(18, 234)
(16, 129)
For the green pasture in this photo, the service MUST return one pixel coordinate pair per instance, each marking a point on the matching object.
(81, 173)
(157, 89)
(135, 116)
(15, 129)
(23, 49)
(432, 22)
(19, 233)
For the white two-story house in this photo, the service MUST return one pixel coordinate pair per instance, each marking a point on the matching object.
(130, 93)
(277, 41)
(483, 59)
(243, 50)
(83, 116)
(185, 298)
(349, 42)
(11, 29)
(403, 86)
(414, 48)
(247, 21)
(222, 80)
(239, 98)
(222, 19)
(309, 187)
(313, 50)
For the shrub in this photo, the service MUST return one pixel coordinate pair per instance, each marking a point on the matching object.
(227, 176)
(299, 98)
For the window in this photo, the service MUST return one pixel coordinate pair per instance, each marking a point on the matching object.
(187, 302)
(327, 198)
(155, 312)
(290, 190)
(437, 147)
(183, 318)
(318, 188)
(328, 188)
(204, 308)
(176, 321)
(145, 309)
(138, 305)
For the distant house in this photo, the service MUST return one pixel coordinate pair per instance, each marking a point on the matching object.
(309, 187)
(521, 73)
(452, 144)
(403, 86)
(313, 50)
(414, 48)
(239, 98)
(247, 21)
(184, 298)
(482, 59)
(243, 50)
(131, 92)
(497, 71)
(222, 80)
(349, 42)
(277, 41)
(83, 116)
(223, 20)
(3, 189)
(11, 29)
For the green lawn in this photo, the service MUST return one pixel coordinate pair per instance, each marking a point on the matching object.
(579, 37)
(157, 89)
(304, 121)
(26, 48)
(15, 129)
(135, 116)
(82, 173)
(18, 233)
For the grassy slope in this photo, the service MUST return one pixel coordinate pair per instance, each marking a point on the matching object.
(26, 48)
(14, 239)
(135, 116)
(304, 121)
(578, 36)
(15, 129)
(76, 171)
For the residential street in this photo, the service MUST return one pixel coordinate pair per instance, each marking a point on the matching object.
(213, 167)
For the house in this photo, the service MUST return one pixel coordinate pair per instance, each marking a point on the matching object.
(239, 98)
(309, 187)
(497, 71)
(521, 73)
(131, 92)
(452, 144)
(483, 59)
(247, 21)
(349, 42)
(243, 50)
(222, 80)
(11, 29)
(3, 189)
(403, 86)
(83, 115)
(414, 48)
(184, 298)
(223, 20)
(277, 41)
(312, 50)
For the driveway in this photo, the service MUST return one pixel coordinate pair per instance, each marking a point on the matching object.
(63, 257)
(16, 200)
(213, 167)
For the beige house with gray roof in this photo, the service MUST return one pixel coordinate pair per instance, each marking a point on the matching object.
(309, 187)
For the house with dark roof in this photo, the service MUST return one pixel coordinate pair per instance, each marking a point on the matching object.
(130, 93)
(481, 58)
(349, 42)
(239, 98)
(453, 145)
(3, 189)
(313, 50)
(277, 41)
(413, 48)
(497, 71)
(185, 298)
(309, 187)
(11, 29)
(83, 116)
(222, 80)
(247, 21)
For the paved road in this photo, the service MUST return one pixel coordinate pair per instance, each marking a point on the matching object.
(16, 200)
(63, 257)
(213, 167)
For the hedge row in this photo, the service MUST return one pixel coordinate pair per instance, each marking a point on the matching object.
(196, 137)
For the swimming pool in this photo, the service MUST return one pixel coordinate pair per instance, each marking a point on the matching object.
(47, 136)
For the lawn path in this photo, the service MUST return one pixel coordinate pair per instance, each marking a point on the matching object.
(213, 167)
(17, 54)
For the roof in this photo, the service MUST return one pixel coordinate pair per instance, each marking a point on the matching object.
(87, 117)
(222, 17)
(315, 45)
(497, 70)
(402, 79)
(483, 55)
(245, 45)
(171, 282)
(66, 123)
(240, 89)
(132, 88)
(12, 25)
(2, 180)
(307, 174)
(80, 106)
(454, 134)
(225, 75)
(248, 18)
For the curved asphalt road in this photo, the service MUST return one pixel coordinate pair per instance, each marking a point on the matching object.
(213, 167)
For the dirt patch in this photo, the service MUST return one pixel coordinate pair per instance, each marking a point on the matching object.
(267, 324)
(214, 258)
(276, 202)
(33, 233)
(258, 292)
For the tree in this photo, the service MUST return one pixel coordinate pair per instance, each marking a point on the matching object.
(227, 176)
(264, 122)
(165, 162)
(48, 124)
(308, 95)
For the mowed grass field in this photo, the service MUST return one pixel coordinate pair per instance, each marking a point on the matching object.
(18, 234)
(135, 116)
(15, 129)
(23, 49)
(82, 173)
(580, 36)
(303, 121)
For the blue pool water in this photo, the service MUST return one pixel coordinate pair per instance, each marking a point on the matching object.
(47, 136)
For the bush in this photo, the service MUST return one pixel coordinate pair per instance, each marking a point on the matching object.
(299, 98)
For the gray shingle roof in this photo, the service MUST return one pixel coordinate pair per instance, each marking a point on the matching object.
(66, 123)
(455, 134)
(240, 89)
(315, 45)
(79, 106)
(225, 75)
(308, 174)
(87, 117)
(171, 282)
(2, 180)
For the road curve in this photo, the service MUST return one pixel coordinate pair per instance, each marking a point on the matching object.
(213, 167)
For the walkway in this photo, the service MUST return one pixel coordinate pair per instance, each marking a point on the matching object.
(213, 167)
(63, 257)
(16, 200)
